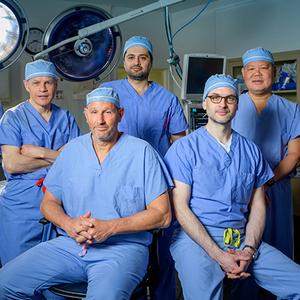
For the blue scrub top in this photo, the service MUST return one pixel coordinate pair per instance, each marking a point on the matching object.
(272, 128)
(1, 110)
(23, 124)
(131, 176)
(222, 183)
(153, 117)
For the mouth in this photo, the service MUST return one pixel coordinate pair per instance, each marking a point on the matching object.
(222, 112)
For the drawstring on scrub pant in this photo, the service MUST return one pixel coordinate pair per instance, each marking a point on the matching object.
(232, 238)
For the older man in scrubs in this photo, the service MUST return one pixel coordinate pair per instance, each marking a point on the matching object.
(219, 203)
(31, 137)
(273, 123)
(105, 192)
(155, 115)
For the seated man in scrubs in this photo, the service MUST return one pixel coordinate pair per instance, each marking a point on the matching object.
(104, 192)
(155, 115)
(220, 206)
(31, 137)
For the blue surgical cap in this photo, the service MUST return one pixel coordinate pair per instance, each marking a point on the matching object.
(256, 55)
(217, 81)
(103, 94)
(138, 41)
(39, 68)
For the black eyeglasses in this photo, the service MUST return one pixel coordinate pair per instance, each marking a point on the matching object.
(230, 99)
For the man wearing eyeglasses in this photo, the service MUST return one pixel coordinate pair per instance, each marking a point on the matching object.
(219, 203)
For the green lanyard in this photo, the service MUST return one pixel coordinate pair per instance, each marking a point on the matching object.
(232, 237)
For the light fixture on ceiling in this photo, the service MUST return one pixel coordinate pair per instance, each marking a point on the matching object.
(84, 42)
(13, 29)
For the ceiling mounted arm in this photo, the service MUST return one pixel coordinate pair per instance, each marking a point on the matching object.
(87, 31)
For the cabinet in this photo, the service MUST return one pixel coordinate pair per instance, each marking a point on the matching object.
(234, 68)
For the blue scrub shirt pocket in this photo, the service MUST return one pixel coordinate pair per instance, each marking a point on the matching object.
(128, 200)
(208, 182)
(243, 189)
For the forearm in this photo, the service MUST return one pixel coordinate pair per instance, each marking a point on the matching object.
(23, 164)
(197, 232)
(141, 221)
(286, 166)
(54, 213)
(257, 217)
(40, 152)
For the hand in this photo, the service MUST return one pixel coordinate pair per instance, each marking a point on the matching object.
(32, 151)
(229, 262)
(244, 259)
(77, 228)
(101, 230)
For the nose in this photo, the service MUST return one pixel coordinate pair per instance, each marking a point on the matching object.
(223, 102)
(100, 119)
(136, 61)
(43, 87)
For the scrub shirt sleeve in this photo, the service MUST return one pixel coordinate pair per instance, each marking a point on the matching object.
(10, 130)
(178, 162)
(263, 170)
(156, 176)
(178, 121)
(295, 126)
(55, 177)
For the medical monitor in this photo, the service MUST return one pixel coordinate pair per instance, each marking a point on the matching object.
(197, 68)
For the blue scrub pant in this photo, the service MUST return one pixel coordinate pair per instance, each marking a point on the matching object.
(112, 270)
(19, 218)
(165, 288)
(202, 277)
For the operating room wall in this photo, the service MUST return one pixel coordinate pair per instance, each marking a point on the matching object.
(227, 27)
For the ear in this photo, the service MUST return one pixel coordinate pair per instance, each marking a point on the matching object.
(25, 82)
(243, 71)
(121, 113)
(204, 105)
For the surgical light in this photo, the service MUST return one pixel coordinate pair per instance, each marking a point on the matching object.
(13, 28)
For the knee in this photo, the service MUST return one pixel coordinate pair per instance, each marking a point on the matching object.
(5, 286)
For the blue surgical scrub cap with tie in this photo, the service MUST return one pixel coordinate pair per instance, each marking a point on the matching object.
(257, 54)
(103, 94)
(217, 81)
(138, 41)
(39, 68)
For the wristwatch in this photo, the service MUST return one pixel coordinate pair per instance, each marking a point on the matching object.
(255, 251)
(270, 182)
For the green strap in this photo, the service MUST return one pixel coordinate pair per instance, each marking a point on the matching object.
(232, 237)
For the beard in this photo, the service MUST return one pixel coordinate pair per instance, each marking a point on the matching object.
(139, 76)
(108, 137)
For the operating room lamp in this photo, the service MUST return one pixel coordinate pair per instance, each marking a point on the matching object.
(13, 30)
(83, 42)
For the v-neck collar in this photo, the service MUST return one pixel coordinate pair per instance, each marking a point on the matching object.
(133, 92)
(111, 154)
(46, 125)
(253, 107)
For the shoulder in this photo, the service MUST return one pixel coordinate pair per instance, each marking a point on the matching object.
(246, 144)
(160, 89)
(113, 83)
(14, 112)
(284, 103)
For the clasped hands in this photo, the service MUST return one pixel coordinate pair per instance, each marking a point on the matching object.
(235, 263)
(86, 229)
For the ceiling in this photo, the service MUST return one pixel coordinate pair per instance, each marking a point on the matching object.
(134, 4)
